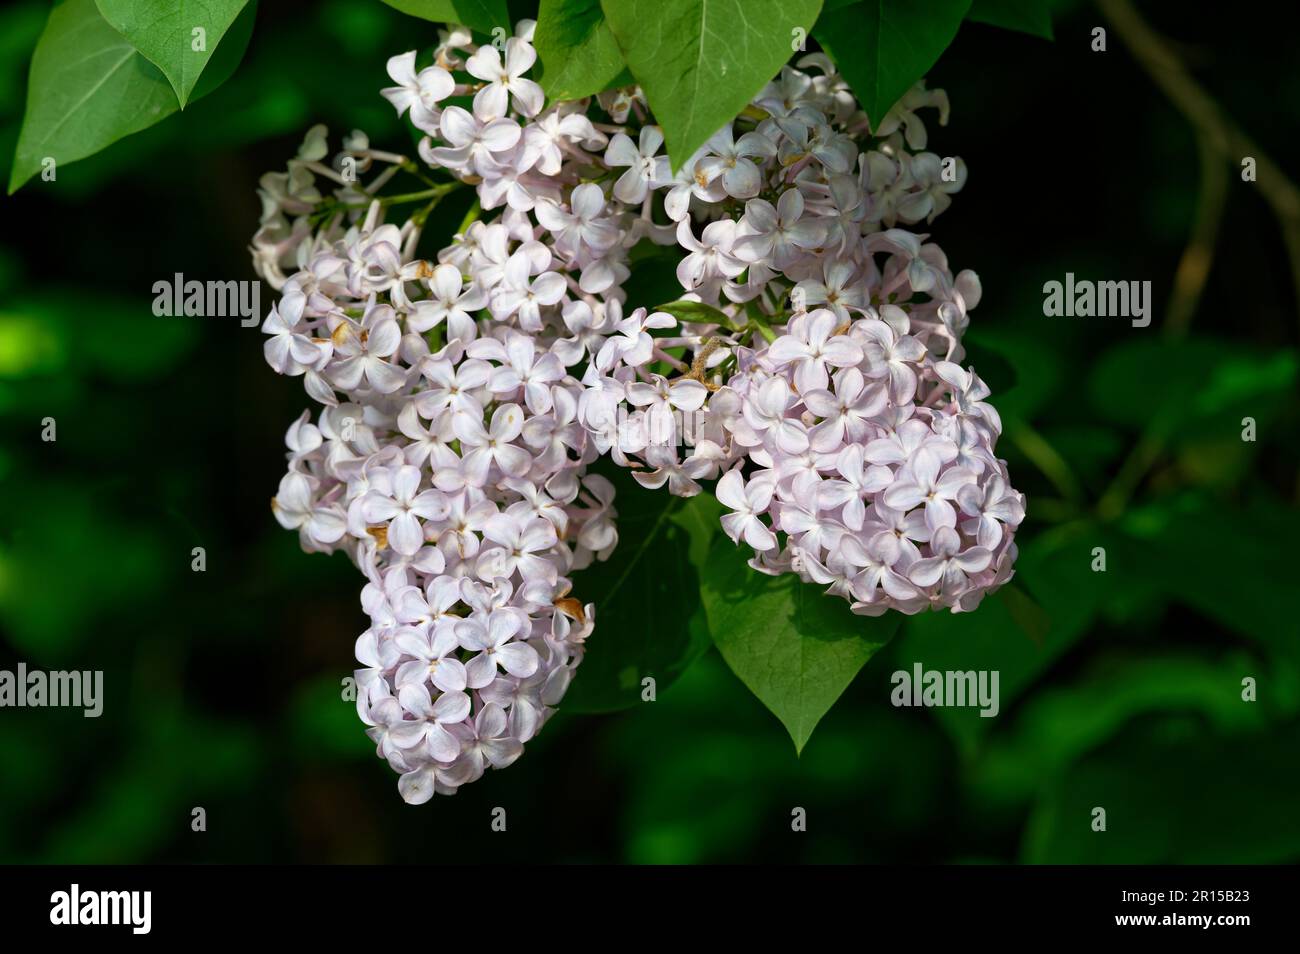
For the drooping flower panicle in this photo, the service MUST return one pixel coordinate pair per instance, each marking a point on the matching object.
(810, 365)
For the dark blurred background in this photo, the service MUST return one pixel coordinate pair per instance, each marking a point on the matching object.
(1120, 689)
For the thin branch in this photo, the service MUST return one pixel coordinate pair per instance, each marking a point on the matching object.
(1157, 58)
(1194, 266)
(1221, 146)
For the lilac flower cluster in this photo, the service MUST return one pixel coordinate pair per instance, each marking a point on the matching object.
(873, 461)
(814, 351)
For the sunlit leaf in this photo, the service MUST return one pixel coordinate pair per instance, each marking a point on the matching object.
(700, 62)
(177, 36)
(578, 53)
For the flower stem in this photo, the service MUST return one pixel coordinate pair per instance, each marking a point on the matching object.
(437, 192)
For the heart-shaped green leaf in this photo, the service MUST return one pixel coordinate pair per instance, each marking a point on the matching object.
(89, 87)
(882, 47)
(649, 621)
(177, 36)
(700, 62)
(796, 648)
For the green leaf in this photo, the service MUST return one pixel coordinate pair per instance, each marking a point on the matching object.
(88, 87)
(990, 639)
(884, 46)
(1026, 16)
(163, 31)
(1191, 387)
(700, 62)
(695, 311)
(579, 54)
(481, 15)
(229, 54)
(795, 647)
(1195, 549)
(654, 276)
(1038, 370)
(649, 621)
(1058, 726)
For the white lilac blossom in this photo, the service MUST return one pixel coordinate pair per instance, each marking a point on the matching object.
(810, 364)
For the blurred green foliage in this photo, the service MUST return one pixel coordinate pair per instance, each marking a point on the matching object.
(1120, 689)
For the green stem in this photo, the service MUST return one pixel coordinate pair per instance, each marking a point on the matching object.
(470, 218)
(409, 166)
(758, 322)
(437, 192)
(1046, 458)
(1144, 455)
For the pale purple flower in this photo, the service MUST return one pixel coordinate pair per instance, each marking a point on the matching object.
(452, 386)
(524, 368)
(505, 80)
(525, 297)
(766, 413)
(419, 92)
(839, 290)
(893, 356)
(632, 344)
(711, 257)
(434, 660)
(731, 161)
(681, 476)
(487, 741)
(875, 561)
(546, 138)
(748, 501)
(429, 728)
(492, 638)
(811, 346)
(860, 481)
(645, 170)
(923, 481)
(777, 234)
(288, 350)
(449, 300)
(523, 545)
(846, 412)
(402, 505)
(522, 698)
(295, 509)
(473, 143)
(482, 447)
(950, 563)
(992, 506)
(367, 351)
